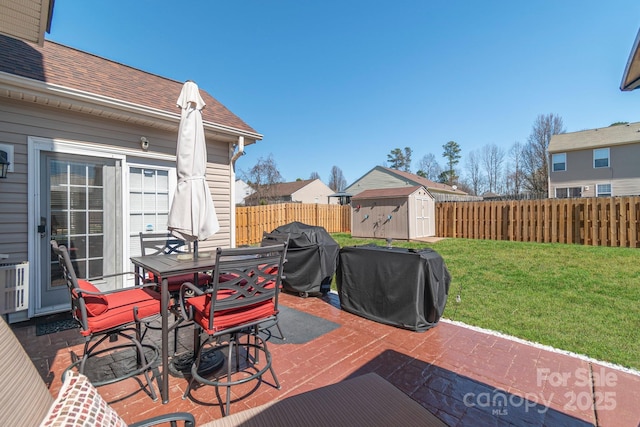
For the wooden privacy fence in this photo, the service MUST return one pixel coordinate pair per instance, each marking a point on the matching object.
(251, 221)
(601, 221)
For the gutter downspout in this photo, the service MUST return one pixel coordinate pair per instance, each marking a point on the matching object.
(240, 152)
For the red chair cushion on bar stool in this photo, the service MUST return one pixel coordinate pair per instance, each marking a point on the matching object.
(121, 309)
(225, 319)
(96, 304)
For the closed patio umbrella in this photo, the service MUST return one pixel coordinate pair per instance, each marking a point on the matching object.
(192, 216)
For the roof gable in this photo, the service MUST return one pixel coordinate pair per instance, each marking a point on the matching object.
(26, 19)
(288, 188)
(593, 138)
(59, 66)
(411, 180)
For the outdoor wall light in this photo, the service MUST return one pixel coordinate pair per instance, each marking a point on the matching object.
(366, 216)
(389, 217)
(144, 143)
(4, 164)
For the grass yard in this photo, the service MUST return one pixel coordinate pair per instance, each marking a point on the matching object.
(582, 299)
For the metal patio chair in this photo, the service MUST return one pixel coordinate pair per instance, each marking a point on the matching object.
(105, 317)
(243, 296)
(165, 244)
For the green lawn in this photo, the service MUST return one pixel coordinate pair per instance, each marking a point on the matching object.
(577, 298)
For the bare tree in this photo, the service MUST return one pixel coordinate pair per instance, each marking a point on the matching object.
(400, 160)
(314, 175)
(492, 158)
(262, 177)
(336, 179)
(429, 168)
(534, 158)
(514, 174)
(474, 176)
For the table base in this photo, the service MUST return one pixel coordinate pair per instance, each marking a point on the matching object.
(210, 361)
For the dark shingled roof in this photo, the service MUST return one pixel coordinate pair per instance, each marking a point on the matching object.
(56, 64)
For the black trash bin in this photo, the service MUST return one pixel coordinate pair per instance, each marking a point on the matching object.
(312, 256)
(401, 287)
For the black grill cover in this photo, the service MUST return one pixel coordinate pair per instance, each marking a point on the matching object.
(400, 287)
(312, 256)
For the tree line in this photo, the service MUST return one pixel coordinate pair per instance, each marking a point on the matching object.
(521, 169)
(517, 171)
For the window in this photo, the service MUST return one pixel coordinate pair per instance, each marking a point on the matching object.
(603, 190)
(601, 158)
(559, 162)
(568, 192)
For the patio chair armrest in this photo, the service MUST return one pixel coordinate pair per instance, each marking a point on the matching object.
(189, 420)
(115, 291)
(184, 288)
(124, 273)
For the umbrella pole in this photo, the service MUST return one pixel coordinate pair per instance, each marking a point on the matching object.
(195, 249)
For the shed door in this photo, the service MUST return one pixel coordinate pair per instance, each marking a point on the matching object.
(423, 217)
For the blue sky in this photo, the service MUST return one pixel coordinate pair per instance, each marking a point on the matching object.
(345, 82)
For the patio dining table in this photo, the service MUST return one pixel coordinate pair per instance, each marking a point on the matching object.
(167, 266)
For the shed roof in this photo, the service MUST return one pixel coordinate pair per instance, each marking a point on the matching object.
(60, 70)
(387, 193)
(593, 138)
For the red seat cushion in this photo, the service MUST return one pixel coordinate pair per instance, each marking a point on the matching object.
(175, 282)
(96, 304)
(225, 319)
(120, 310)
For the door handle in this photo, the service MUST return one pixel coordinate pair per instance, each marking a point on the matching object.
(42, 228)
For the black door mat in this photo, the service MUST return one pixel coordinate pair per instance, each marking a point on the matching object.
(55, 323)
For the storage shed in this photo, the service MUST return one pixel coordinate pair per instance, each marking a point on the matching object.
(403, 213)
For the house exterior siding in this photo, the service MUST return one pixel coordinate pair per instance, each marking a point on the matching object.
(20, 122)
(623, 173)
(314, 192)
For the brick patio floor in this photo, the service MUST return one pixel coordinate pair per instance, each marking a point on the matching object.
(465, 376)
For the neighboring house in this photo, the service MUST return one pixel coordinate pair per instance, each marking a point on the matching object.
(595, 163)
(304, 191)
(381, 177)
(393, 213)
(243, 190)
(74, 126)
(631, 75)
